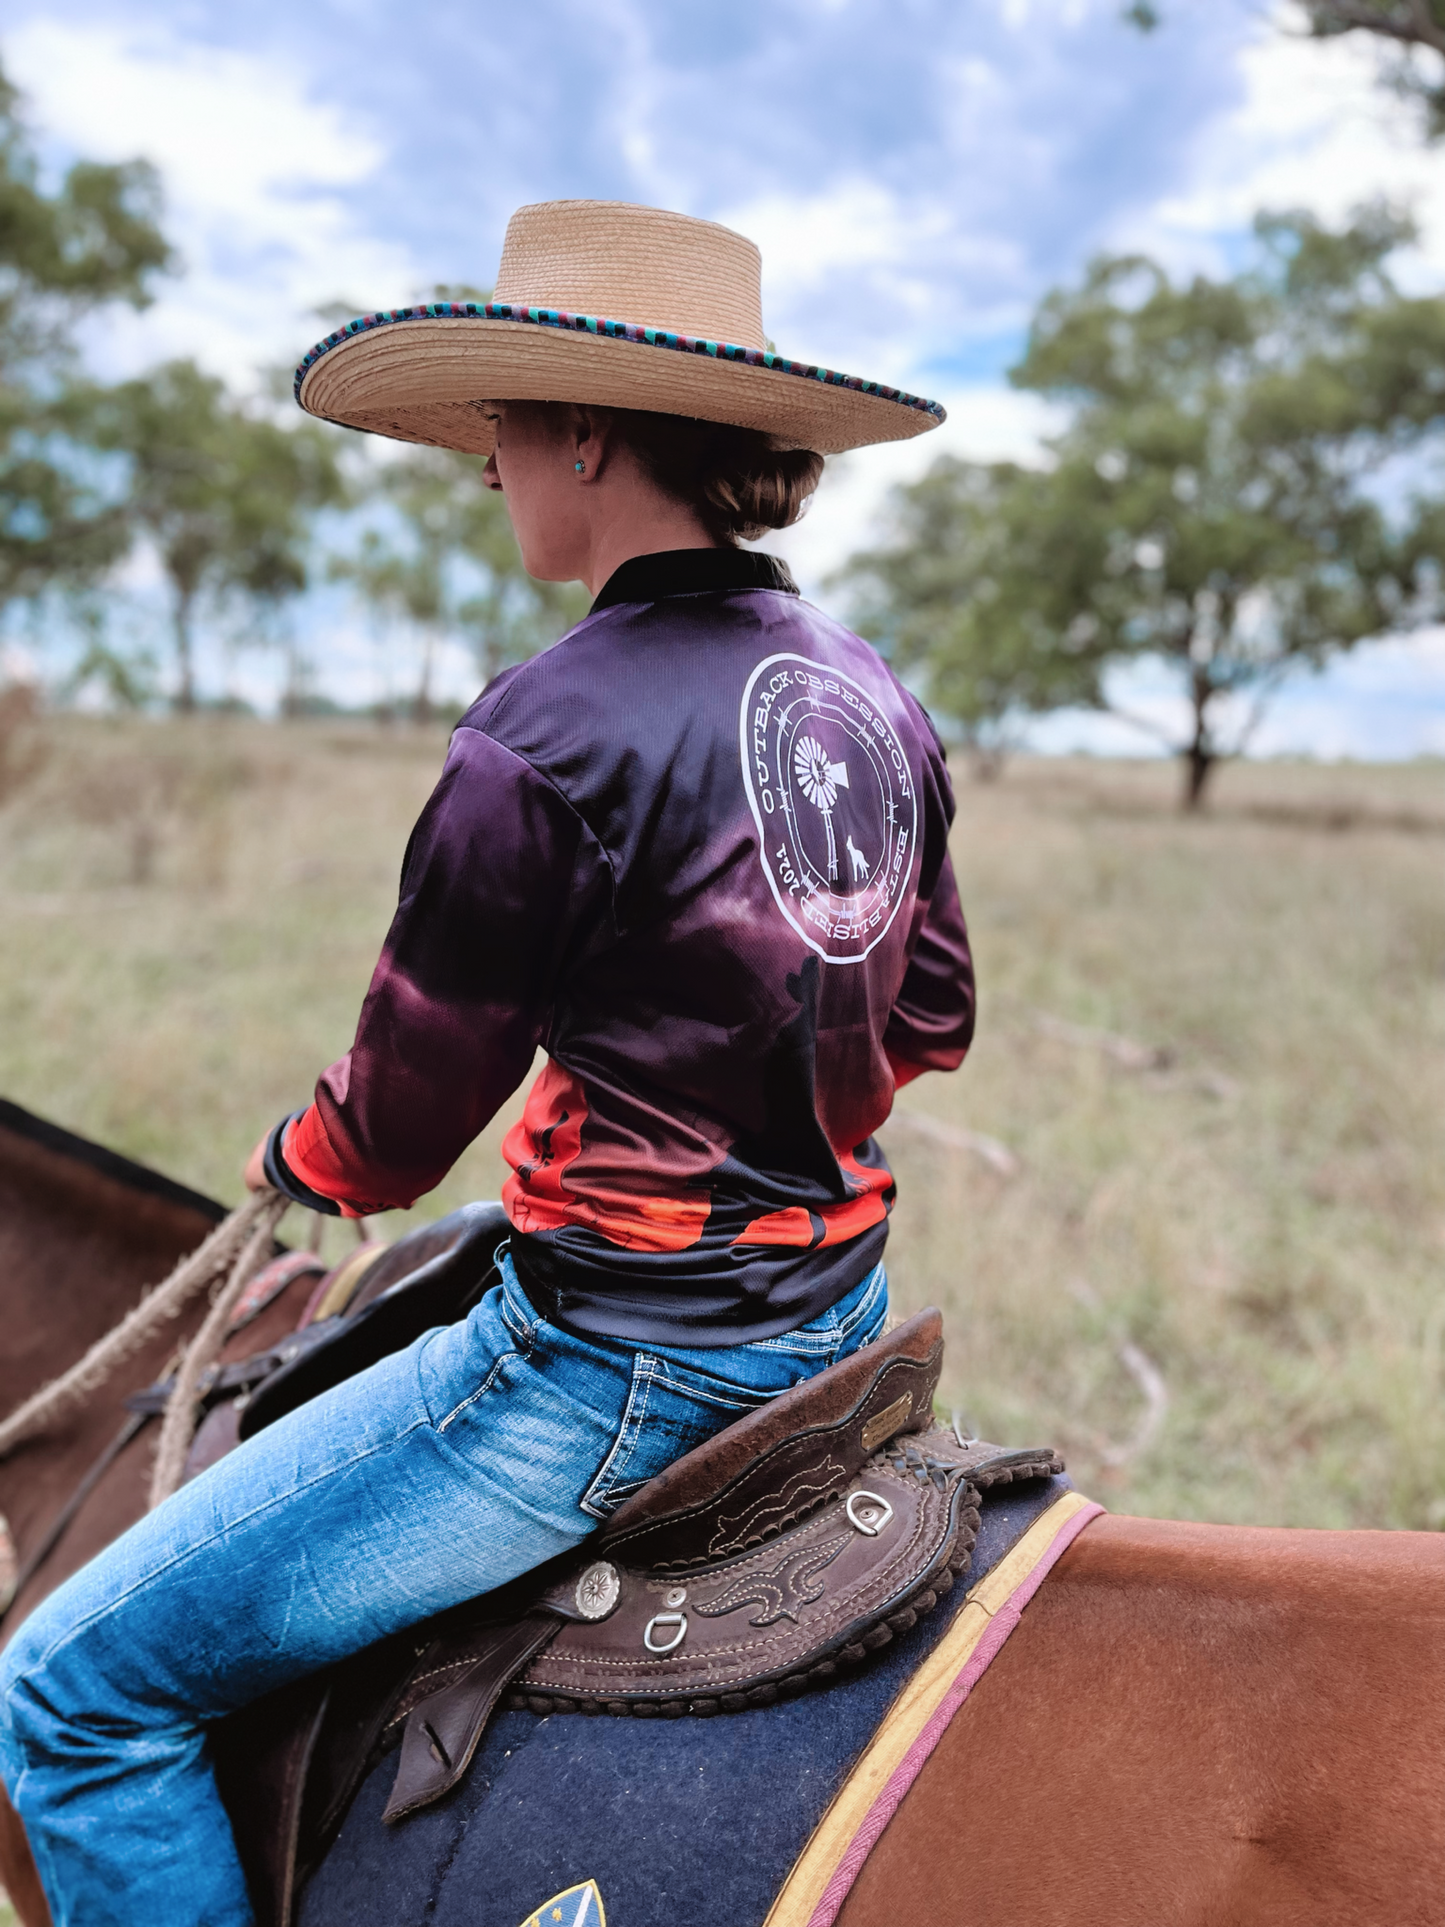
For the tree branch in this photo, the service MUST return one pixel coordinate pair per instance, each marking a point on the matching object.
(1430, 32)
(1268, 688)
(1160, 734)
(1419, 30)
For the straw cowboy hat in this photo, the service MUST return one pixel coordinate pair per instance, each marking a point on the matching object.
(598, 301)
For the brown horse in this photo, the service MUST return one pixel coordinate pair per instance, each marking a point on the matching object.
(82, 1233)
(1197, 1725)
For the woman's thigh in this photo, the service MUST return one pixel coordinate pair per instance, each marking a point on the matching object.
(438, 1474)
(486, 1448)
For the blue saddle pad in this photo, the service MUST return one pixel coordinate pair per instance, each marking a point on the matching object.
(681, 1823)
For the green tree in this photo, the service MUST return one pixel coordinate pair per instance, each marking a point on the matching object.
(226, 496)
(445, 561)
(125, 678)
(1210, 501)
(978, 588)
(64, 254)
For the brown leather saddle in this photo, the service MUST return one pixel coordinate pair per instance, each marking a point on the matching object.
(766, 1563)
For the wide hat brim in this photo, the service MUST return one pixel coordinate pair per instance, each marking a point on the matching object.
(433, 374)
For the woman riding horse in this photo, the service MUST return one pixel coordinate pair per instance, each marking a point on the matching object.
(632, 861)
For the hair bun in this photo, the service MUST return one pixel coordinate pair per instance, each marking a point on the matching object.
(768, 488)
(739, 483)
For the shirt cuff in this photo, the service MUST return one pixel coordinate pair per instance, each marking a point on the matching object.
(282, 1178)
(903, 1071)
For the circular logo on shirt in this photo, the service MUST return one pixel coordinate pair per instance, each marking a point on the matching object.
(834, 802)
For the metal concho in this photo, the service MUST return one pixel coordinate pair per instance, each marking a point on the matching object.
(598, 1590)
(870, 1528)
(665, 1619)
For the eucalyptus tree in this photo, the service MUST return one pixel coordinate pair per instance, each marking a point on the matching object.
(440, 555)
(64, 253)
(1212, 500)
(226, 496)
(977, 586)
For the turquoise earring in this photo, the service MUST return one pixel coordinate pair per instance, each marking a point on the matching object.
(580, 467)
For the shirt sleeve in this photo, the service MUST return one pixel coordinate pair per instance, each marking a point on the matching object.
(500, 877)
(931, 1022)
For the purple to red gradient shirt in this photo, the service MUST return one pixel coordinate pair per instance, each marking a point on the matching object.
(697, 851)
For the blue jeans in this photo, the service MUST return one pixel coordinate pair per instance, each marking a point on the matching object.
(485, 1448)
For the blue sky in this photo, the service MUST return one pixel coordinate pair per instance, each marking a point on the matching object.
(917, 173)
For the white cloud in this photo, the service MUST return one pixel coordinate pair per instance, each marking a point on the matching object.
(256, 174)
(854, 275)
(857, 225)
(1314, 129)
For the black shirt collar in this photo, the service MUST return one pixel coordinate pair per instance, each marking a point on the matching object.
(647, 578)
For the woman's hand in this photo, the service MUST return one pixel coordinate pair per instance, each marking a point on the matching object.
(254, 1175)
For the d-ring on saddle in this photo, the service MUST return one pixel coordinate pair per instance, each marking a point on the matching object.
(782, 1550)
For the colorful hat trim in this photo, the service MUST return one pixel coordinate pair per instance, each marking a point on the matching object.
(617, 330)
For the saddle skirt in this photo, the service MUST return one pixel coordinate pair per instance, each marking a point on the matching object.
(789, 1546)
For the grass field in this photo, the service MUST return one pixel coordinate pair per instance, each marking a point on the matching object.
(1184, 1208)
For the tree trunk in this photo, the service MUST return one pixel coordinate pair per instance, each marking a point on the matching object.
(185, 697)
(421, 702)
(298, 677)
(1198, 762)
(1200, 757)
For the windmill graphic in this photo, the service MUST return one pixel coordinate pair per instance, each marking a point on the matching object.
(820, 781)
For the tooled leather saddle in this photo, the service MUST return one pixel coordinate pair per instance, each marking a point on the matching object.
(765, 1563)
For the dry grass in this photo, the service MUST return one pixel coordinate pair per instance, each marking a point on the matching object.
(1261, 1213)
(1215, 1048)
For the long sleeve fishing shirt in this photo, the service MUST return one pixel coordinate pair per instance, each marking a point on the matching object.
(697, 852)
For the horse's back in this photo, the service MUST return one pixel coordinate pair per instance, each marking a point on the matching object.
(1192, 1724)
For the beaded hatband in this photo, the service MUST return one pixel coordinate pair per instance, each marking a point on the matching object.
(618, 331)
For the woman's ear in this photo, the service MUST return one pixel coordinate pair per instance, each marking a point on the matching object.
(591, 441)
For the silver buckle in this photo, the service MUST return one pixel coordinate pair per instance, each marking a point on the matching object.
(665, 1619)
(869, 1527)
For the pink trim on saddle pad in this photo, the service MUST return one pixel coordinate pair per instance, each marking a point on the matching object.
(903, 1776)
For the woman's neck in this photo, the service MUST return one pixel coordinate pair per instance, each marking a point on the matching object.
(638, 530)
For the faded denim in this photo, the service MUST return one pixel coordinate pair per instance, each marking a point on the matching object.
(485, 1448)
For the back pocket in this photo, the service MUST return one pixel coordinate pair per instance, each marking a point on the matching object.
(670, 1409)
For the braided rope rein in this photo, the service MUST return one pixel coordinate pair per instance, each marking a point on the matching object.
(178, 1427)
(234, 1251)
